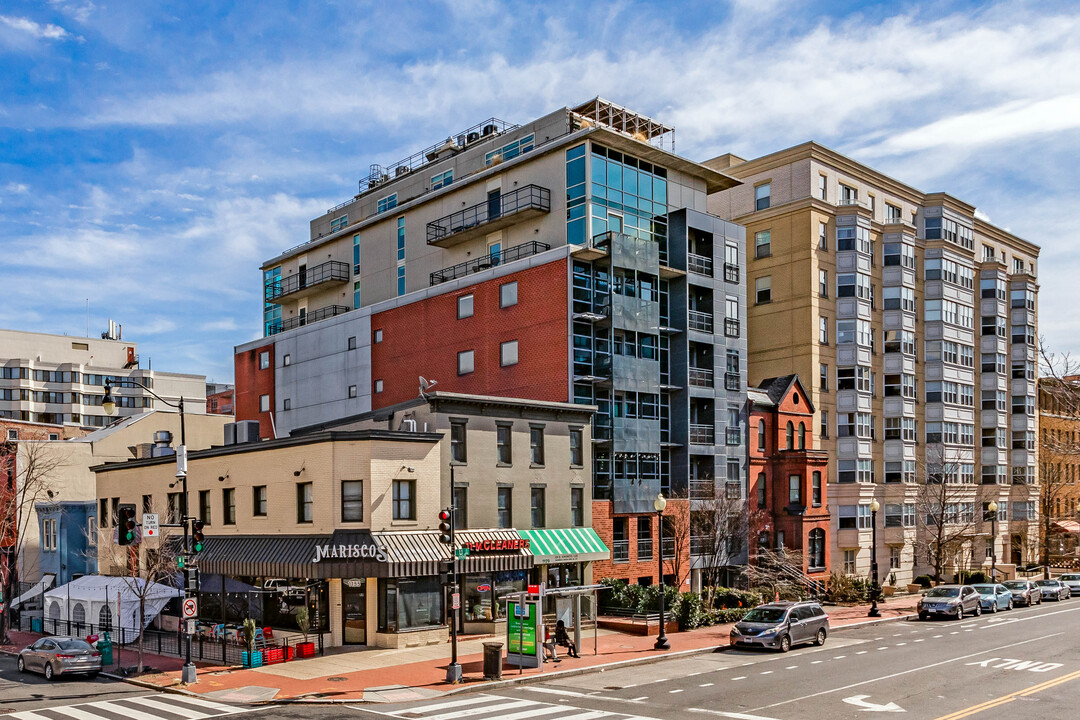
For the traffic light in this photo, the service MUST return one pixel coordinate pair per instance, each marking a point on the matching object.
(198, 538)
(127, 528)
(445, 526)
(446, 572)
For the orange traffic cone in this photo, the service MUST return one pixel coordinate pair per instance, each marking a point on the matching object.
(777, 596)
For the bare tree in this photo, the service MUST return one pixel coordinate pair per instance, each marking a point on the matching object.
(777, 572)
(946, 517)
(676, 535)
(143, 566)
(719, 526)
(1059, 404)
(28, 470)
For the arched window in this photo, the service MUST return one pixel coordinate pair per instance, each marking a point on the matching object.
(54, 610)
(816, 551)
(761, 436)
(790, 435)
(761, 490)
(78, 613)
(802, 436)
(105, 618)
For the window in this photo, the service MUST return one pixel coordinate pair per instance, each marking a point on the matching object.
(763, 244)
(763, 290)
(823, 330)
(537, 507)
(387, 203)
(848, 195)
(228, 506)
(461, 507)
(339, 223)
(761, 501)
(403, 500)
(762, 196)
(823, 236)
(465, 362)
(577, 451)
(847, 517)
(802, 436)
(442, 179)
(204, 506)
(761, 436)
(824, 423)
(899, 254)
(504, 454)
(458, 447)
(506, 507)
(894, 557)
(264, 403)
(103, 511)
(865, 518)
(258, 501)
(816, 549)
(401, 280)
(823, 283)
(508, 294)
(790, 435)
(511, 150)
(377, 336)
(351, 343)
(794, 490)
(352, 500)
(286, 360)
(356, 256)
(577, 507)
(892, 213)
(91, 531)
(48, 535)
(148, 503)
(56, 436)
(536, 444)
(508, 353)
(816, 488)
(465, 306)
(305, 502)
(352, 391)
(174, 505)
(378, 386)
(823, 377)
(264, 359)
(823, 187)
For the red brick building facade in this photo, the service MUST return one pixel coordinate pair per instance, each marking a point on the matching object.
(254, 394)
(788, 476)
(632, 540)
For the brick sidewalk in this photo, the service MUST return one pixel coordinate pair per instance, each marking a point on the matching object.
(412, 680)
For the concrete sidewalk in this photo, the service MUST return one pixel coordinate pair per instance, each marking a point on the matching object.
(378, 675)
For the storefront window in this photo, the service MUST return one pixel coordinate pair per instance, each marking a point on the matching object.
(410, 603)
(482, 590)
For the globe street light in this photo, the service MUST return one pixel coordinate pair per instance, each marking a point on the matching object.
(659, 504)
(992, 508)
(874, 588)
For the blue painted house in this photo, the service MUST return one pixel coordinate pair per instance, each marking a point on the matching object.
(68, 536)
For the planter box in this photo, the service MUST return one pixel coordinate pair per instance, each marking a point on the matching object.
(274, 655)
(914, 588)
(888, 590)
(305, 649)
(252, 659)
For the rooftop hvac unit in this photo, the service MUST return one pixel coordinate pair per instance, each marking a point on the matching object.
(472, 137)
(490, 130)
(247, 431)
(402, 169)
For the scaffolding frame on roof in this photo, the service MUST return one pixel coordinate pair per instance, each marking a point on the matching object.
(604, 112)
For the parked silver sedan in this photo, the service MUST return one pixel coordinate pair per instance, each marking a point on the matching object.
(54, 656)
(995, 596)
(955, 601)
(1072, 580)
(1053, 589)
(1024, 592)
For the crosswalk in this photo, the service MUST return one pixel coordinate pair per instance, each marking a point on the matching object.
(143, 707)
(494, 707)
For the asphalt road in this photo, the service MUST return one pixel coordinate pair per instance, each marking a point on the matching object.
(1020, 663)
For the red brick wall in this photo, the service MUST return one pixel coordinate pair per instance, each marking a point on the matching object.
(424, 338)
(225, 401)
(602, 523)
(251, 383)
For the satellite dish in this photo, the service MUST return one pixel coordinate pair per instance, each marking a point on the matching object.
(426, 385)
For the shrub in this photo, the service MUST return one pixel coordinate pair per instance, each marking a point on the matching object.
(848, 588)
(925, 580)
(727, 615)
(732, 598)
(966, 578)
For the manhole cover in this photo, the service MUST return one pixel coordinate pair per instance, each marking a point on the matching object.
(5, 711)
(337, 679)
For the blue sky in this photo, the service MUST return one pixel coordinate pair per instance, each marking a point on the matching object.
(153, 154)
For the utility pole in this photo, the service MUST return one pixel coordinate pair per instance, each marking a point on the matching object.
(453, 670)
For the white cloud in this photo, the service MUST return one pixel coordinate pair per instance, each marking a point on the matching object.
(48, 31)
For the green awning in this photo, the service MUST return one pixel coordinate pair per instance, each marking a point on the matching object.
(566, 545)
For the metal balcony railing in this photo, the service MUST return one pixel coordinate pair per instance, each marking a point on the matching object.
(732, 381)
(644, 549)
(702, 434)
(529, 197)
(533, 247)
(314, 316)
(699, 264)
(731, 328)
(702, 488)
(733, 436)
(731, 273)
(330, 271)
(700, 321)
(700, 377)
(620, 551)
(668, 547)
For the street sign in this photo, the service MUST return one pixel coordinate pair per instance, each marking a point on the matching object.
(191, 608)
(461, 552)
(455, 601)
(150, 526)
(190, 629)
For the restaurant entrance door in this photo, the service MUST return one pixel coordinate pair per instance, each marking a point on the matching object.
(354, 611)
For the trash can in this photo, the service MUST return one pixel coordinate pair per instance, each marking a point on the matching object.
(104, 647)
(493, 660)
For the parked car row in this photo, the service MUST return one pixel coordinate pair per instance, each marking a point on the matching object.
(959, 601)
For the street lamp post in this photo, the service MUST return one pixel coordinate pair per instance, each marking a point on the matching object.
(874, 587)
(992, 509)
(659, 504)
(108, 404)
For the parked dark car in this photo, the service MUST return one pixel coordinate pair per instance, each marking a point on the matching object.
(953, 601)
(1024, 592)
(55, 656)
(780, 625)
(1053, 589)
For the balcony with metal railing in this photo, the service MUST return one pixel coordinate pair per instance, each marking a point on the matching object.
(306, 281)
(644, 549)
(702, 488)
(490, 215)
(311, 317)
(700, 321)
(533, 247)
(699, 264)
(700, 377)
(668, 548)
(702, 435)
(620, 551)
(731, 328)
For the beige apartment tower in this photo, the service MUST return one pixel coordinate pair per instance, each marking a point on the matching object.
(913, 322)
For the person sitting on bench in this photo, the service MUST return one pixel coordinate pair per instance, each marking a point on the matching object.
(549, 646)
(561, 638)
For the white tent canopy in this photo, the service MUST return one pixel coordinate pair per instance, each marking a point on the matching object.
(46, 582)
(106, 603)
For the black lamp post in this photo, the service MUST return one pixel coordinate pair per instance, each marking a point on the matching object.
(108, 404)
(875, 588)
(992, 509)
(659, 504)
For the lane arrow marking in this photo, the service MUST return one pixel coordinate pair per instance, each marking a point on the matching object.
(860, 702)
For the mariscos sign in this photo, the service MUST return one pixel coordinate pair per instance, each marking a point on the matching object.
(350, 552)
(508, 545)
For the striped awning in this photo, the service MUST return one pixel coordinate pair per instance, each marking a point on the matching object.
(519, 558)
(551, 545)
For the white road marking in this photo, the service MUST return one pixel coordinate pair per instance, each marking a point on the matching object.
(900, 644)
(883, 648)
(919, 639)
(705, 685)
(721, 713)
(741, 677)
(791, 667)
(816, 662)
(937, 636)
(766, 672)
(672, 692)
(839, 657)
(861, 652)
